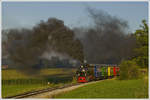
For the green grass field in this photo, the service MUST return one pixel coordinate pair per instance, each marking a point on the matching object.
(14, 82)
(110, 89)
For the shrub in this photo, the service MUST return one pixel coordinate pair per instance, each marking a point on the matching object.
(129, 70)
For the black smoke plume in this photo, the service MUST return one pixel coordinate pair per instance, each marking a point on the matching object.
(26, 47)
(106, 40)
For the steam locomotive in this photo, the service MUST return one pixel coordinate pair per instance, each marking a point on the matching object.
(90, 72)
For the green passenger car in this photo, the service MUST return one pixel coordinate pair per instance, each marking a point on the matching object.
(111, 71)
(105, 72)
(102, 71)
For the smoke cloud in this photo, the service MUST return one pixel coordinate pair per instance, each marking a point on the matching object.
(49, 55)
(28, 47)
(106, 40)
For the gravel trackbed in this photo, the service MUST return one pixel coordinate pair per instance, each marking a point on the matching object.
(58, 91)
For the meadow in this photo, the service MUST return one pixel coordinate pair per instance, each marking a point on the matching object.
(14, 82)
(110, 89)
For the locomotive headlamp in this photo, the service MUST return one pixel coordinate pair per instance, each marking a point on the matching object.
(83, 70)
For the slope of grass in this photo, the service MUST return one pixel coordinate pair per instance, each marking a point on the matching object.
(10, 90)
(9, 74)
(14, 82)
(110, 89)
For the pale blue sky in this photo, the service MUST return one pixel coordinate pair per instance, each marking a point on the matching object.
(27, 14)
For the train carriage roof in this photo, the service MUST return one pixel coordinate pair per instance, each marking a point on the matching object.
(99, 65)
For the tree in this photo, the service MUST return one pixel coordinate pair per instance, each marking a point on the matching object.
(141, 49)
(129, 70)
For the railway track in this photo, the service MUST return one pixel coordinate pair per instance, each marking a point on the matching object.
(31, 93)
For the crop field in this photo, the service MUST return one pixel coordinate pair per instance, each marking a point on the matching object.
(110, 89)
(14, 82)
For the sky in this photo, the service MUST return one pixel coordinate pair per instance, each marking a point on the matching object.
(74, 14)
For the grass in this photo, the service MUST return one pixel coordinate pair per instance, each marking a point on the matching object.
(14, 82)
(10, 90)
(9, 74)
(110, 89)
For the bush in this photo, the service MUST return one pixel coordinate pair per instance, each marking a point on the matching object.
(129, 70)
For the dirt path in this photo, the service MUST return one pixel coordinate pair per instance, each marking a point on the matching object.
(58, 91)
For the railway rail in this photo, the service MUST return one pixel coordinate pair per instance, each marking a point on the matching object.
(27, 94)
(81, 78)
(32, 93)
